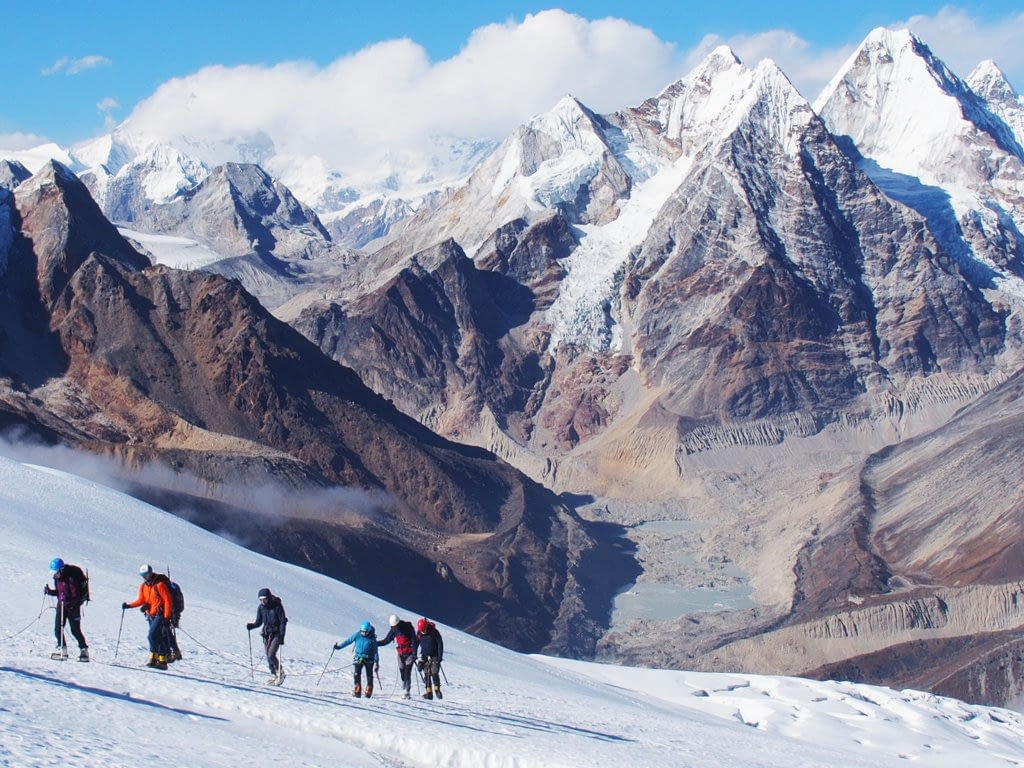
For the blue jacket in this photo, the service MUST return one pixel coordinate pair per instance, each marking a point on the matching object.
(366, 646)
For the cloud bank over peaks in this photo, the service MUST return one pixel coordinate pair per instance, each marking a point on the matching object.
(355, 110)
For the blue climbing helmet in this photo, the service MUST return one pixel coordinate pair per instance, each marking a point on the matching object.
(56, 564)
(366, 628)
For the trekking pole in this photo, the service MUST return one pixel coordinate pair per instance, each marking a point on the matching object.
(252, 669)
(325, 667)
(119, 634)
(443, 674)
(63, 640)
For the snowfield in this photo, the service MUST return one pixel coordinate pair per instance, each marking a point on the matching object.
(500, 708)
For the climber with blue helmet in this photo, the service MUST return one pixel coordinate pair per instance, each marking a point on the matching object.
(71, 588)
(366, 657)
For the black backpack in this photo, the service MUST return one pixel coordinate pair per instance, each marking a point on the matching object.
(80, 579)
(177, 597)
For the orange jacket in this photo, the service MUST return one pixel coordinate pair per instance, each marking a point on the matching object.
(156, 597)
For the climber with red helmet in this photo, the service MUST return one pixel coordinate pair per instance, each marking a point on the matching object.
(431, 648)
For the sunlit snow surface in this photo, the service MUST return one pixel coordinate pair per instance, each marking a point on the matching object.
(500, 708)
(171, 251)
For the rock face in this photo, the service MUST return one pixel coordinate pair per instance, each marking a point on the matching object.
(149, 363)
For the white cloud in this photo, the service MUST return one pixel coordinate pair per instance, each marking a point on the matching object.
(391, 95)
(107, 107)
(70, 66)
(15, 142)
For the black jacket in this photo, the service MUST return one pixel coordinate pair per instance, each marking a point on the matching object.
(271, 617)
(430, 643)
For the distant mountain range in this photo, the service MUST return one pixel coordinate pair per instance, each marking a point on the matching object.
(725, 307)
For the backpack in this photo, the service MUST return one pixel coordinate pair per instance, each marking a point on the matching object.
(80, 579)
(177, 597)
(405, 636)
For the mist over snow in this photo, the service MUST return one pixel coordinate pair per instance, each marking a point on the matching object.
(500, 708)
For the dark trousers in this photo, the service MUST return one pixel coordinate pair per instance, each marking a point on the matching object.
(405, 662)
(431, 672)
(271, 643)
(360, 665)
(171, 640)
(72, 615)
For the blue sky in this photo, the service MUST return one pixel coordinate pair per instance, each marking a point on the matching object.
(74, 69)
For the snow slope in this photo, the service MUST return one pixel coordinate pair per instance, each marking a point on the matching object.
(173, 251)
(500, 708)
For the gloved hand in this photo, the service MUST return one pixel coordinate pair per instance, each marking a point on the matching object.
(337, 646)
(376, 667)
(125, 606)
(250, 626)
(419, 664)
(46, 589)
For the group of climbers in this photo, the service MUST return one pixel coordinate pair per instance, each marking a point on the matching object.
(161, 602)
(425, 638)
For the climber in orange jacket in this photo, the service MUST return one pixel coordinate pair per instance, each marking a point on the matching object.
(156, 602)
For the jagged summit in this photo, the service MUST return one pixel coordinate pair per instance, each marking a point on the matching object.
(66, 227)
(903, 107)
(12, 173)
(930, 141)
(989, 82)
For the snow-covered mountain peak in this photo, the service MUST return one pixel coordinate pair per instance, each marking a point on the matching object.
(552, 156)
(988, 81)
(35, 158)
(569, 123)
(905, 109)
(111, 151)
(722, 93)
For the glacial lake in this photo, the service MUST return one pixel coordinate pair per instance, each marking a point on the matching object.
(662, 601)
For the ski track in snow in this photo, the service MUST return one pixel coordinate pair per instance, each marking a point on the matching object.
(500, 708)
